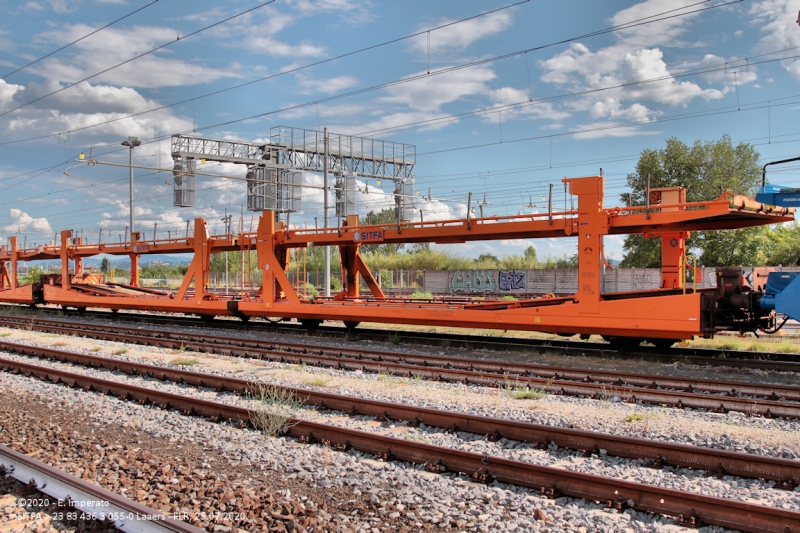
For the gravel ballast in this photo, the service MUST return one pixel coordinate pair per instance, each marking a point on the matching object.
(400, 495)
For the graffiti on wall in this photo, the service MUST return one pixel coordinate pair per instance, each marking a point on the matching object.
(539, 276)
(512, 280)
(566, 278)
(643, 279)
(472, 281)
(469, 281)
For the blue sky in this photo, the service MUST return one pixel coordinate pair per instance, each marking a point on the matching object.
(502, 129)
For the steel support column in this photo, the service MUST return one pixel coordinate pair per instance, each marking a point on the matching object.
(274, 281)
(673, 251)
(12, 242)
(134, 260)
(593, 225)
(65, 279)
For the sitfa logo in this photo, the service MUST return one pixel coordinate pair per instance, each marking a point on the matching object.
(361, 236)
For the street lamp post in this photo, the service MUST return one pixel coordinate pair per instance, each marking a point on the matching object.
(131, 143)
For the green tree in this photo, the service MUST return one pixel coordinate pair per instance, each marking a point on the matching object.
(487, 261)
(785, 245)
(530, 255)
(705, 170)
(744, 247)
(386, 217)
(105, 265)
(217, 263)
(315, 258)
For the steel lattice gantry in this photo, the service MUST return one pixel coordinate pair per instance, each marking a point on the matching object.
(347, 154)
(270, 165)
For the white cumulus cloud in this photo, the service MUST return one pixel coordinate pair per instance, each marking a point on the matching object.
(23, 222)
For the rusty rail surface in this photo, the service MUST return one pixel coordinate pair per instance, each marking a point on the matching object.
(628, 387)
(690, 509)
(89, 498)
(611, 377)
(785, 472)
(699, 356)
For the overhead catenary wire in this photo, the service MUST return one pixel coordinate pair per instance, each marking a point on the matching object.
(134, 58)
(455, 68)
(695, 115)
(489, 110)
(272, 76)
(573, 132)
(619, 27)
(23, 67)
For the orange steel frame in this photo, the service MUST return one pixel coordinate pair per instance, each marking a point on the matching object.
(673, 311)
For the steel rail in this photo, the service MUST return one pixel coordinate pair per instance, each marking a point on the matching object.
(700, 356)
(611, 377)
(89, 498)
(785, 472)
(689, 508)
(384, 363)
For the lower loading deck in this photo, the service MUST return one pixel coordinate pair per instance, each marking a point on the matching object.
(639, 314)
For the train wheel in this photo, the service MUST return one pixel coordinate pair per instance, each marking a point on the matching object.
(351, 324)
(624, 344)
(662, 344)
(311, 325)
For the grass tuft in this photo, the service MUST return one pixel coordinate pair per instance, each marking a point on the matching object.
(427, 295)
(185, 362)
(638, 417)
(120, 351)
(317, 381)
(520, 392)
(413, 437)
(389, 379)
(275, 409)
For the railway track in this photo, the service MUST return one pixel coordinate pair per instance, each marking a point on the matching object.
(690, 509)
(785, 472)
(89, 499)
(680, 392)
(699, 356)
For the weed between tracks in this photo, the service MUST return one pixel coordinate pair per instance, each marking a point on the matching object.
(638, 417)
(413, 437)
(317, 381)
(5, 334)
(388, 378)
(120, 351)
(521, 392)
(275, 409)
(180, 350)
(185, 362)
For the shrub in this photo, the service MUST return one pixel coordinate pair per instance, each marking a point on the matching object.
(275, 409)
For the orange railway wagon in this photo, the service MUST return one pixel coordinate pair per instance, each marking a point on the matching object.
(673, 312)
